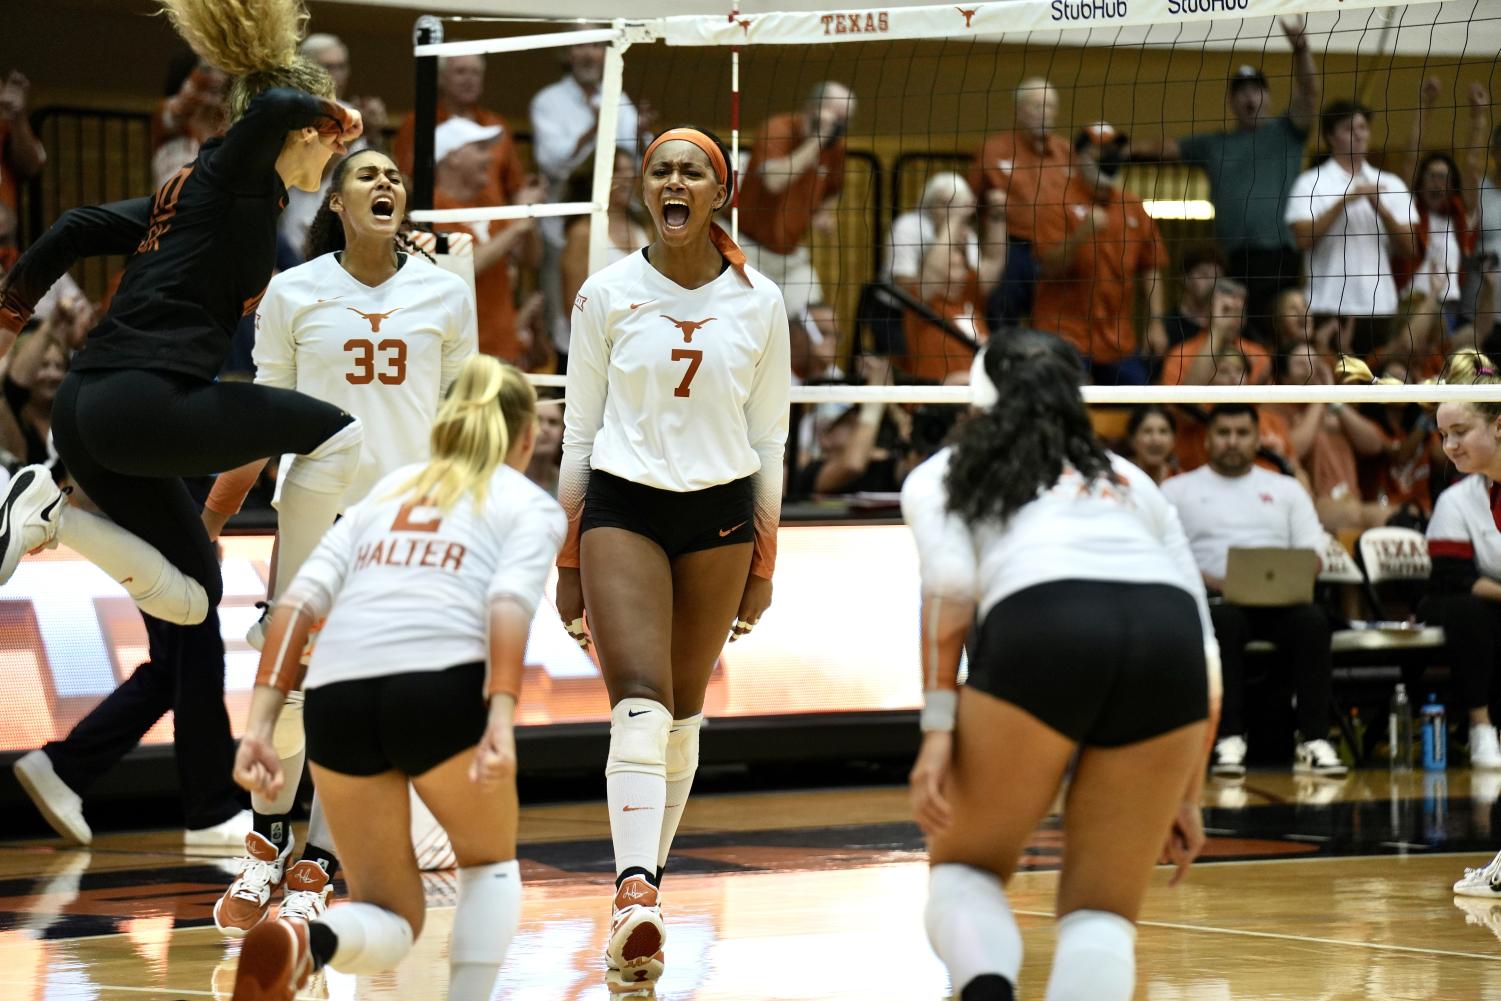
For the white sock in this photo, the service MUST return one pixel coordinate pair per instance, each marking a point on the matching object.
(291, 767)
(1095, 959)
(970, 925)
(371, 939)
(682, 764)
(312, 495)
(636, 781)
(159, 588)
(317, 828)
(484, 923)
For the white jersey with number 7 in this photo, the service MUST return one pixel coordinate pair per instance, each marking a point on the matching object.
(679, 389)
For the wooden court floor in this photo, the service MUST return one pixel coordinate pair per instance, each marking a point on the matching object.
(1309, 890)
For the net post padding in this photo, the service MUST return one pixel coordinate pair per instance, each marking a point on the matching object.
(610, 90)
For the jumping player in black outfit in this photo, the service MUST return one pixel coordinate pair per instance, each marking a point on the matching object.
(140, 407)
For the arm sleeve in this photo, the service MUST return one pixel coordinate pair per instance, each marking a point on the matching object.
(529, 541)
(1300, 200)
(461, 340)
(1399, 200)
(1303, 518)
(254, 142)
(275, 351)
(1196, 150)
(766, 416)
(588, 379)
(946, 555)
(554, 144)
(906, 247)
(1451, 547)
(88, 231)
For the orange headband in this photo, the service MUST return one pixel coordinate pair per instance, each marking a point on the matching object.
(697, 138)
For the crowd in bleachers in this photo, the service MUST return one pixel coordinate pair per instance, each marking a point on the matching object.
(1318, 256)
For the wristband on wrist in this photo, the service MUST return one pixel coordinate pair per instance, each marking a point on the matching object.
(939, 707)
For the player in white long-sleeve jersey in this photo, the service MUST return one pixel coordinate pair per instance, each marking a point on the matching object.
(1093, 639)
(678, 384)
(374, 327)
(429, 586)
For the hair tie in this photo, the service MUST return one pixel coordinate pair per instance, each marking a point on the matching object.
(1485, 370)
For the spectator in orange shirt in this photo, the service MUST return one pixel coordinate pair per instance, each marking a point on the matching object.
(21, 152)
(463, 151)
(461, 83)
(790, 186)
(1151, 435)
(1026, 169)
(1093, 249)
(950, 286)
(1193, 363)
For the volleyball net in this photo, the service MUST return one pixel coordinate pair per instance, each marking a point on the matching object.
(1178, 188)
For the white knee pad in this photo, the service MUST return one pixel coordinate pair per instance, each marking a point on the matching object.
(970, 924)
(1095, 959)
(330, 467)
(638, 737)
(288, 737)
(682, 747)
(488, 913)
(173, 597)
(371, 939)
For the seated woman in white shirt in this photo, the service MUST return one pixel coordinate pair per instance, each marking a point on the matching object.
(1094, 646)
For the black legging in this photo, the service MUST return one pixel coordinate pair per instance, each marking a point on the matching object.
(128, 436)
(1472, 639)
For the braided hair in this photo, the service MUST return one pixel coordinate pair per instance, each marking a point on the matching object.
(1021, 444)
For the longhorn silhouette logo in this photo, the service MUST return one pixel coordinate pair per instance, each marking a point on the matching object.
(376, 319)
(968, 14)
(688, 327)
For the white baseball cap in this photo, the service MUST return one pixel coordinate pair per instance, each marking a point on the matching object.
(458, 132)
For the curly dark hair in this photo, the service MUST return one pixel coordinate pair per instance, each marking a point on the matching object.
(1005, 455)
(326, 233)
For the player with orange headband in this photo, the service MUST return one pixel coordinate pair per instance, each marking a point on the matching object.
(678, 380)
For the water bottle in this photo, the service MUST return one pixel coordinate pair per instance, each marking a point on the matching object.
(1435, 749)
(1399, 730)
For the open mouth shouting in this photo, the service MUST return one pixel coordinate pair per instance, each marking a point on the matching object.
(675, 212)
(383, 206)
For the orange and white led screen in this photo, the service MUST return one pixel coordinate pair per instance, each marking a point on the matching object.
(841, 636)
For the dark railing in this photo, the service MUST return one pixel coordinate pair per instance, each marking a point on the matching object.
(93, 156)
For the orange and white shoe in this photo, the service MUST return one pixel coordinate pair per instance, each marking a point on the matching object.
(248, 900)
(275, 962)
(633, 954)
(307, 891)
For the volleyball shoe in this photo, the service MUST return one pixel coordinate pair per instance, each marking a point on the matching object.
(275, 962)
(248, 900)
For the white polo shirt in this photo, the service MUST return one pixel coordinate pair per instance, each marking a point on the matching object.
(1259, 509)
(1350, 266)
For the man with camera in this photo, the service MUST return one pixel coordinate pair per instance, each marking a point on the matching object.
(790, 186)
(1092, 251)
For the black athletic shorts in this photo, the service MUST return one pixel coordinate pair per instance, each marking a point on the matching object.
(410, 722)
(1102, 662)
(678, 522)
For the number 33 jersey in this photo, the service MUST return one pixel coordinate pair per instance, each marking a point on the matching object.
(385, 354)
(678, 389)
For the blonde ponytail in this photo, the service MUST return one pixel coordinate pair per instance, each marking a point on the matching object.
(255, 41)
(1468, 367)
(1352, 371)
(487, 409)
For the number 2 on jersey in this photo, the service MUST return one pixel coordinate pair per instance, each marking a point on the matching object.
(394, 358)
(694, 358)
